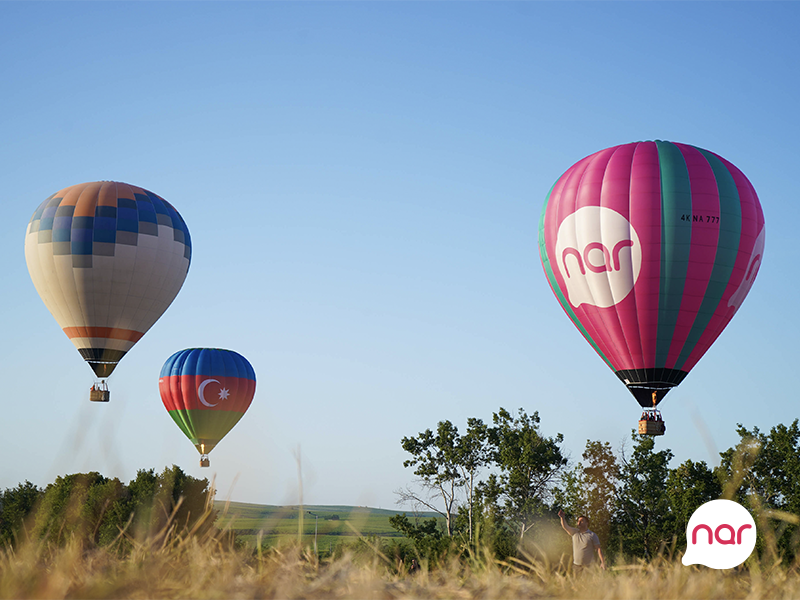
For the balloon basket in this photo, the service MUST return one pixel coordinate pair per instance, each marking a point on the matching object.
(652, 423)
(99, 392)
(204, 462)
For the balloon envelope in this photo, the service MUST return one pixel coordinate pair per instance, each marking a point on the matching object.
(107, 259)
(206, 391)
(650, 248)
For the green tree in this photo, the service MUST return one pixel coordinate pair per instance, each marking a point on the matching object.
(689, 486)
(590, 488)
(133, 512)
(529, 466)
(472, 455)
(16, 505)
(76, 505)
(427, 537)
(182, 500)
(762, 472)
(642, 526)
(437, 461)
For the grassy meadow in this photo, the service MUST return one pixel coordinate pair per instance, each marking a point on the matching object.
(188, 567)
(281, 525)
(203, 563)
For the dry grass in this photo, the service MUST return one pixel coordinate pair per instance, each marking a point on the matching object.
(192, 567)
(192, 564)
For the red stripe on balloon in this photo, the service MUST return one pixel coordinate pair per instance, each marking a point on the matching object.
(645, 190)
(206, 392)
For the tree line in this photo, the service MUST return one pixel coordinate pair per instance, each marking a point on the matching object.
(499, 485)
(101, 511)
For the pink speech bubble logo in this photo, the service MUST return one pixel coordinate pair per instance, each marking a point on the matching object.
(721, 534)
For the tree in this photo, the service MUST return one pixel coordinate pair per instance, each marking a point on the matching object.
(427, 537)
(689, 486)
(529, 464)
(762, 472)
(76, 505)
(642, 526)
(96, 510)
(182, 500)
(472, 455)
(436, 457)
(16, 504)
(591, 488)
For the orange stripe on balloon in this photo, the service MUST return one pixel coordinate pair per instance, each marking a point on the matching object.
(84, 207)
(107, 196)
(103, 332)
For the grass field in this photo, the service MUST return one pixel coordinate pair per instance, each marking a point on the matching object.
(333, 525)
(201, 563)
(170, 567)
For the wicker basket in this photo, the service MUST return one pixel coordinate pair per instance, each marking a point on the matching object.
(99, 395)
(647, 427)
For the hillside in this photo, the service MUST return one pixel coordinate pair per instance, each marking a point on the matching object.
(330, 525)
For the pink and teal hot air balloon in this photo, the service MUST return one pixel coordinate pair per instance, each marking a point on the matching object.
(206, 391)
(650, 248)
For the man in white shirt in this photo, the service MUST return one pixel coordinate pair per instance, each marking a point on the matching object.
(584, 542)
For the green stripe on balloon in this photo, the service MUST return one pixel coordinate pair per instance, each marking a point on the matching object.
(676, 241)
(205, 426)
(730, 232)
(548, 269)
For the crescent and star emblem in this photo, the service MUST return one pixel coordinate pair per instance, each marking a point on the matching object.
(223, 393)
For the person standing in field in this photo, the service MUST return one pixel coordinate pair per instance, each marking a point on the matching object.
(584, 542)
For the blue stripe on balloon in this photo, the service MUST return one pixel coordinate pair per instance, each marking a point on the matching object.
(105, 212)
(208, 362)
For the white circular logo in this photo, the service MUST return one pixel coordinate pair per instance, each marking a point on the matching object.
(599, 256)
(721, 534)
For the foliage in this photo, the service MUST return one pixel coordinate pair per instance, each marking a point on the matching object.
(16, 505)
(590, 488)
(643, 521)
(689, 486)
(494, 511)
(436, 458)
(428, 539)
(529, 465)
(638, 505)
(762, 473)
(97, 511)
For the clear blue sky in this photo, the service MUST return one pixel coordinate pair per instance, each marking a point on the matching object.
(363, 182)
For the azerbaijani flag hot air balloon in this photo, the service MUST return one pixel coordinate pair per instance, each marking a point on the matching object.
(206, 391)
(650, 248)
(107, 259)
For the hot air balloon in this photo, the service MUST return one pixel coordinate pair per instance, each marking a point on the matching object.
(107, 259)
(650, 248)
(206, 391)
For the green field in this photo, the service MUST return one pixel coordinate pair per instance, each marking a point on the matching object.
(333, 525)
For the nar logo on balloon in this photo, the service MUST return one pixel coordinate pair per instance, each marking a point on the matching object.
(750, 273)
(721, 534)
(599, 256)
